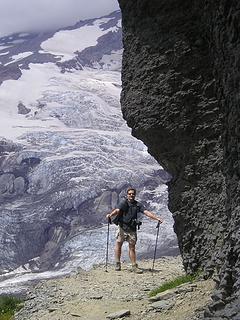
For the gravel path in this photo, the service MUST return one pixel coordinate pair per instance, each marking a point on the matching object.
(98, 295)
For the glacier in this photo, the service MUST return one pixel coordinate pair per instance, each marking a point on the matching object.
(66, 163)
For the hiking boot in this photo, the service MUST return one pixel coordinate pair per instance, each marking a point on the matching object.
(136, 269)
(118, 266)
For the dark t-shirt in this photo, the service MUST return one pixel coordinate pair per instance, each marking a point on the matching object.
(130, 211)
(128, 207)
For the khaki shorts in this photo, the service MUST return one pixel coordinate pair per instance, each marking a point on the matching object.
(130, 237)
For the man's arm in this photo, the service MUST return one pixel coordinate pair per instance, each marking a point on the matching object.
(152, 216)
(113, 213)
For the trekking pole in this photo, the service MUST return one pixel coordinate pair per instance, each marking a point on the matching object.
(109, 222)
(158, 225)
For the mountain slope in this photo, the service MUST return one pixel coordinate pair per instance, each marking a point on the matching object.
(83, 44)
(67, 155)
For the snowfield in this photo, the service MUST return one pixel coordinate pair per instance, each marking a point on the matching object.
(65, 43)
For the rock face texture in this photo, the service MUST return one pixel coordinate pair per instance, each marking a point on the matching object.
(180, 96)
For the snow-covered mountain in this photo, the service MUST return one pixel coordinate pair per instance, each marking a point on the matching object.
(93, 43)
(66, 154)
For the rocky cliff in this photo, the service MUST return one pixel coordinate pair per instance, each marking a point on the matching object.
(180, 96)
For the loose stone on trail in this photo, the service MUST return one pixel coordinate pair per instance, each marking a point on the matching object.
(162, 305)
(74, 314)
(96, 297)
(119, 314)
(162, 296)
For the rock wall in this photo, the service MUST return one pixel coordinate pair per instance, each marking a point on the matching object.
(180, 97)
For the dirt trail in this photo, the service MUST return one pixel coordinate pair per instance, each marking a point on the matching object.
(95, 294)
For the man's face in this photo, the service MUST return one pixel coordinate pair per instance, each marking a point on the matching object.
(131, 195)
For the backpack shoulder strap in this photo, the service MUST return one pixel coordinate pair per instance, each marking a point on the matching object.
(125, 206)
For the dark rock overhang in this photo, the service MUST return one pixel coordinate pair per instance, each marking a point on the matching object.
(180, 96)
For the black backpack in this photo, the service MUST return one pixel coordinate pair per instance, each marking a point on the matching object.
(128, 222)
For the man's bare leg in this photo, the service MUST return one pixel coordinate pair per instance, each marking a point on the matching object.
(118, 252)
(132, 253)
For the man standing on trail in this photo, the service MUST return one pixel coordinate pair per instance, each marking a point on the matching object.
(128, 214)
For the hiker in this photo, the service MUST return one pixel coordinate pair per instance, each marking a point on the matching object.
(127, 216)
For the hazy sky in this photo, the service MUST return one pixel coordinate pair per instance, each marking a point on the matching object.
(31, 15)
